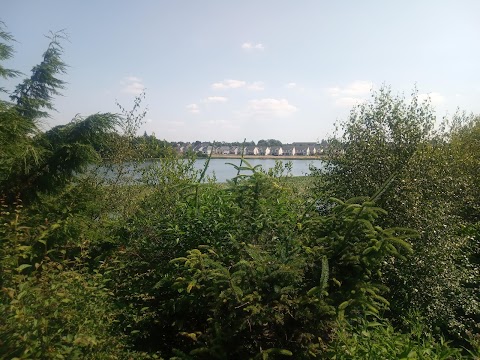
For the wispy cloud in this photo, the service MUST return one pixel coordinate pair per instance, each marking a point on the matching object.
(193, 108)
(356, 88)
(294, 87)
(351, 94)
(132, 85)
(435, 98)
(271, 107)
(236, 84)
(228, 84)
(248, 46)
(216, 99)
(256, 86)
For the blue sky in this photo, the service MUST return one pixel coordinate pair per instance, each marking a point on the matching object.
(228, 70)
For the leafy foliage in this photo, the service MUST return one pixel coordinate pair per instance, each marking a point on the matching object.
(58, 155)
(111, 256)
(378, 339)
(36, 93)
(269, 142)
(49, 309)
(431, 188)
(6, 52)
(244, 272)
(32, 161)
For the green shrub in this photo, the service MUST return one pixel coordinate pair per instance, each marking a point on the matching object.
(50, 309)
(247, 270)
(378, 339)
(432, 189)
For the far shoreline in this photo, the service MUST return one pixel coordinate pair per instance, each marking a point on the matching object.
(274, 157)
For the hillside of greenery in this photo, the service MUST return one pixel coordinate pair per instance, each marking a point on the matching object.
(376, 256)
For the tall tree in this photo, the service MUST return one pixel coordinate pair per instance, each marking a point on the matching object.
(31, 160)
(33, 97)
(6, 52)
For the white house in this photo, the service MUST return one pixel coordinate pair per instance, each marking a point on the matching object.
(277, 151)
(288, 150)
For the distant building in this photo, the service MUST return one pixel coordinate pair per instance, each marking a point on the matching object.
(288, 150)
(293, 149)
(223, 150)
(306, 148)
(277, 151)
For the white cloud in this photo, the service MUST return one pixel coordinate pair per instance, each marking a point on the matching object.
(358, 88)
(355, 89)
(229, 84)
(271, 107)
(351, 94)
(236, 84)
(132, 85)
(256, 85)
(435, 97)
(334, 91)
(193, 108)
(294, 86)
(216, 99)
(249, 46)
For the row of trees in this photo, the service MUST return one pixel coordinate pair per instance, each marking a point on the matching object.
(269, 142)
(101, 256)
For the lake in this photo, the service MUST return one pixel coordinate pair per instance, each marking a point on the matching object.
(221, 168)
(224, 171)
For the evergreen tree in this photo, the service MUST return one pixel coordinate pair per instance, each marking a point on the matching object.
(34, 95)
(33, 161)
(6, 52)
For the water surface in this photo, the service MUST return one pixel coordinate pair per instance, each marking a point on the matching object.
(223, 171)
(220, 169)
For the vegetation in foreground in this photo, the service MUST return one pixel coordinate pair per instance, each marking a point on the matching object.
(376, 257)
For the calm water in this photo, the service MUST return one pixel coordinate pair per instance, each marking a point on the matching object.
(221, 169)
(224, 171)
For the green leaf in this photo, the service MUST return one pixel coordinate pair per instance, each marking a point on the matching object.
(344, 305)
(23, 267)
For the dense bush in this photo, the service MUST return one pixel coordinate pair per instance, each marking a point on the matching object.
(433, 188)
(247, 270)
(50, 309)
(378, 339)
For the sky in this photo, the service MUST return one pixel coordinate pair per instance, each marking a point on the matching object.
(256, 69)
